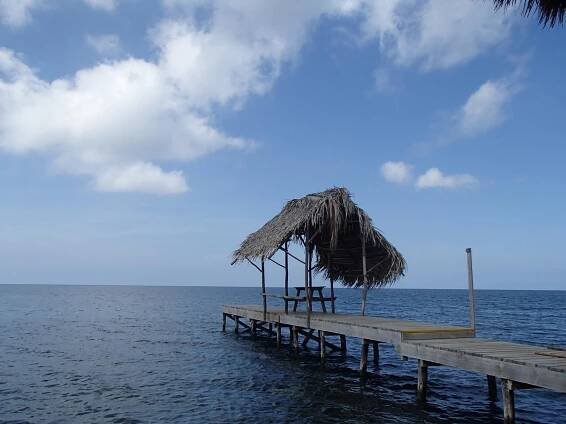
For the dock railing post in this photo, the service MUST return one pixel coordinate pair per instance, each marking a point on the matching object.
(471, 294)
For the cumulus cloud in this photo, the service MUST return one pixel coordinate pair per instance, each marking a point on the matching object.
(105, 44)
(397, 172)
(107, 5)
(485, 108)
(142, 177)
(18, 13)
(434, 34)
(124, 120)
(434, 178)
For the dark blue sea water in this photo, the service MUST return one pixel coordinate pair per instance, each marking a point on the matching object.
(123, 354)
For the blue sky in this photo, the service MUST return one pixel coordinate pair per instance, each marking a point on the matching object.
(141, 141)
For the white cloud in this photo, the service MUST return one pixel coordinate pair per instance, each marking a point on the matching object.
(484, 109)
(107, 5)
(434, 178)
(142, 177)
(434, 34)
(397, 172)
(106, 120)
(17, 13)
(105, 44)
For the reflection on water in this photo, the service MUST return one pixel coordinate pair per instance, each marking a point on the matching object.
(148, 354)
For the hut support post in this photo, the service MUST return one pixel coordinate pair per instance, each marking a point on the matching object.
(471, 294)
(307, 291)
(295, 337)
(237, 324)
(422, 382)
(286, 277)
(364, 358)
(223, 322)
(364, 270)
(508, 401)
(321, 343)
(331, 285)
(492, 387)
(263, 294)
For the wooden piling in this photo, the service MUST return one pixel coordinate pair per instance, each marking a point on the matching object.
(295, 332)
(375, 348)
(223, 322)
(343, 346)
(322, 345)
(492, 388)
(278, 334)
(508, 401)
(364, 357)
(237, 323)
(422, 382)
(253, 326)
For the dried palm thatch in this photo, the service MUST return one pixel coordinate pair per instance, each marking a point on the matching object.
(336, 228)
(550, 12)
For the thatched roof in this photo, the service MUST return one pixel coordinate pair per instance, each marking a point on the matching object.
(337, 227)
(550, 12)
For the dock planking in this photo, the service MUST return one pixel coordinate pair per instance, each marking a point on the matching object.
(519, 366)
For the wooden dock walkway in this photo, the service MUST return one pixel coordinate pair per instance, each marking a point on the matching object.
(519, 366)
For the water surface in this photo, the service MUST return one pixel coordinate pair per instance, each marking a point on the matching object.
(123, 354)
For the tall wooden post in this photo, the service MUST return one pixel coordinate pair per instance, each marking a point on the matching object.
(471, 294)
(364, 270)
(307, 293)
(310, 280)
(343, 345)
(263, 294)
(223, 322)
(286, 277)
(237, 323)
(331, 285)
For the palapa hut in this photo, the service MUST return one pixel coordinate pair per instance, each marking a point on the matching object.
(337, 233)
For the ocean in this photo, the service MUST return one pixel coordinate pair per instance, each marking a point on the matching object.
(137, 354)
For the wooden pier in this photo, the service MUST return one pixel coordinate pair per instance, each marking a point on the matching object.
(518, 366)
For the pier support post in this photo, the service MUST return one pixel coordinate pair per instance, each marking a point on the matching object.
(375, 347)
(343, 346)
(253, 326)
(223, 322)
(491, 388)
(321, 343)
(508, 401)
(278, 334)
(422, 382)
(295, 337)
(364, 358)
(237, 321)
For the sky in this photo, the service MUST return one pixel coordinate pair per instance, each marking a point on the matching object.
(141, 141)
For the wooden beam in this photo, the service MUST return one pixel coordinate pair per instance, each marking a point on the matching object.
(276, 263)
(291, 255)
(251, 262)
